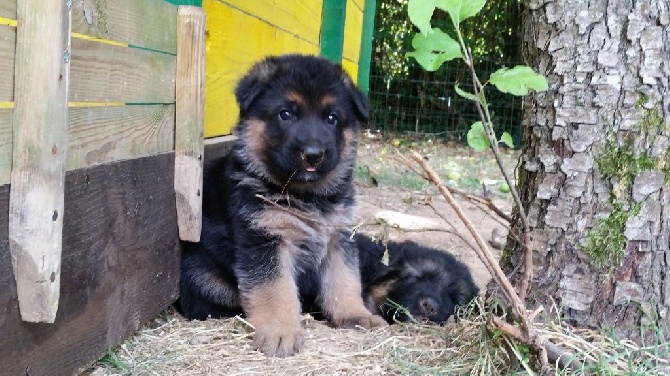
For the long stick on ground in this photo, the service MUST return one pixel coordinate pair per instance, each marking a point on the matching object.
(484, 254)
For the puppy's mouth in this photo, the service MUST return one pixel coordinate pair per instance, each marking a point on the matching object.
(310, 164)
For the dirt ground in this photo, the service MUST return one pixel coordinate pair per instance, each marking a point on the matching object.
(173, 346)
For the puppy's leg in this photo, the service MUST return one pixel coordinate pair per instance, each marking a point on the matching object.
(341, 298)
(270, 301)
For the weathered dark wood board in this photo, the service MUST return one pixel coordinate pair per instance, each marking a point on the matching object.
(120, 267)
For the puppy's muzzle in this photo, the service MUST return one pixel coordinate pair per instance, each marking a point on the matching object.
(312, 157)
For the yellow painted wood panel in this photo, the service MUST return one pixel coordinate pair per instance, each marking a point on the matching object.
(353, 28)
(235, 40)
(5, 145)
(105, 73)
(144, 23)
(7, 48)
(298, 17)
(103, 134)
(351, 68)
(8, 9)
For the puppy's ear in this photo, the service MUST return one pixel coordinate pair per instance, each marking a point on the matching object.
(358, 100)
(254, 82)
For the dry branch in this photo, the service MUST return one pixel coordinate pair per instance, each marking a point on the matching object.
(525, 332)
(482, 108)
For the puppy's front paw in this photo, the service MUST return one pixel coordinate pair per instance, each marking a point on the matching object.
(368, 321)
(279, 340)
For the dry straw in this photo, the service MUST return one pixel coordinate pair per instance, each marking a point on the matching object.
(172, 345)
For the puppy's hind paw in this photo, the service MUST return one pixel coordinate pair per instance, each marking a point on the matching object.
(367, 322)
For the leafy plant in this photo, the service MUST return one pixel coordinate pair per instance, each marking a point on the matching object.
(433, 47)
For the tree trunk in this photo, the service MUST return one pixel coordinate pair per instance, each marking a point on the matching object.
(595, 163)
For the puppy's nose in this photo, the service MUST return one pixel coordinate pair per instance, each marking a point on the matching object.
(429, 306)
(313, 154)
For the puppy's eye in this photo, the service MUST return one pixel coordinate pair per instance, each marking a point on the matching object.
(285, 115)
(332, 119)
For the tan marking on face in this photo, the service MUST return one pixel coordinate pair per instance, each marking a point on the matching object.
(420, 267)
(327, 101)
(378, 295)
(295, 97)
(255, 141)
(334, 177)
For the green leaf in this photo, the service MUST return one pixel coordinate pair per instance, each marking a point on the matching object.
(464, 94)
(518, 80)
(469, 8)
(506, 139)
(433, 49)
(477, 138)
(421, 11)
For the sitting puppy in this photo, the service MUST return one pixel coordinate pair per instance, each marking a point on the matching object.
(278, 210)
(429, 284)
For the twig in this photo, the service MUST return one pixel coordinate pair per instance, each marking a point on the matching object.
(484, 201)
(554, 353)
(532, 338)
(455, 232)
(288, 210)
(482, 250)
(486, 120)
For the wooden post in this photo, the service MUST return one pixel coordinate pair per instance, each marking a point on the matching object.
(189, 120)
(40, 143)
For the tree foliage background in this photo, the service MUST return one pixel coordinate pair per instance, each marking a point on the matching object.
(406, 98)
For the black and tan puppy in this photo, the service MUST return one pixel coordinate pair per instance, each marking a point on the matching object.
(278, 211)
(429, 284)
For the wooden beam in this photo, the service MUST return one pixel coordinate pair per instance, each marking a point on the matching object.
(8, 9)
(5, 145)
(189, 123)
(103, 72)
(103, 134)
(149, 24)
(120, 267)
(40, 144)
(7, 47)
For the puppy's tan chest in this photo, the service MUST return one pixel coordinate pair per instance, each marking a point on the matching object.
(298, 230)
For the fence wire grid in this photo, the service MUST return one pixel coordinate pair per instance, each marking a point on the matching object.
(404, 98)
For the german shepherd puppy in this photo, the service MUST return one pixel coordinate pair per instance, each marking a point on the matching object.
(278, 210)
(427, 283)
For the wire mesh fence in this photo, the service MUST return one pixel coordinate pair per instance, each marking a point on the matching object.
(406, 98)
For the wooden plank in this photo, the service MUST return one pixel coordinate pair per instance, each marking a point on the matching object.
(190, 117)
(7, 47)
(299, 17)
(105, 134)
(353, 28)
(148, 24)
(8, 9)
(351, 68)
(106, 73)
(40, 144)
(120, 267)
(5, 145)
(235, 41)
